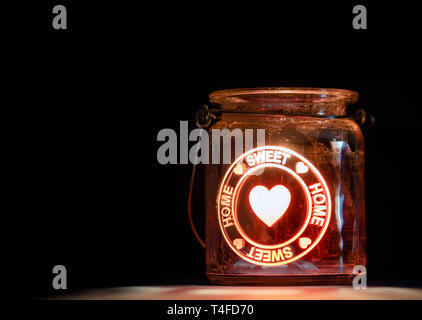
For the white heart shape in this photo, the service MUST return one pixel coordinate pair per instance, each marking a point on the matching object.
(269, 205)
(301, 167)
(304, 242)
(239, 243)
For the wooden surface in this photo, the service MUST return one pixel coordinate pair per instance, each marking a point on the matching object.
(248, 293)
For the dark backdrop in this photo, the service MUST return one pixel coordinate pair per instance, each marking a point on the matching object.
(95, 198)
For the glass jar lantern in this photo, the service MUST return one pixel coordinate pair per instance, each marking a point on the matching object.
(289, 211)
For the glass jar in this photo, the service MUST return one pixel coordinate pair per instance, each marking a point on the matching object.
(291, 211)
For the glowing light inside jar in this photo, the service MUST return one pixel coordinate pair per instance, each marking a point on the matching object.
(273, 206)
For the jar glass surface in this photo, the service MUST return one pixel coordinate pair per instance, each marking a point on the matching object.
(248, 241)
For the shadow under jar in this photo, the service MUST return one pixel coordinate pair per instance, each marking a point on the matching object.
(290, 211)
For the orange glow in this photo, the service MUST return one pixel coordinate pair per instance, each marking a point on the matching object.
(270, 203)
(308, 217)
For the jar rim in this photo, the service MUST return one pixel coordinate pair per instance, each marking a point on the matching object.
(282, 96)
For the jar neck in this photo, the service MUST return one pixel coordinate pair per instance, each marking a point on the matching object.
(323, 110)
(287, 101)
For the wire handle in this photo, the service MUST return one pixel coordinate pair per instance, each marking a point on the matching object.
(364, 119)
(203, 120)
(192, 225)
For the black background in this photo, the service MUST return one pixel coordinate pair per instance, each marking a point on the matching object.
(96, 200)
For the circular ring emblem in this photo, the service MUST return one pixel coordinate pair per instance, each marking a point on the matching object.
(273, 206)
